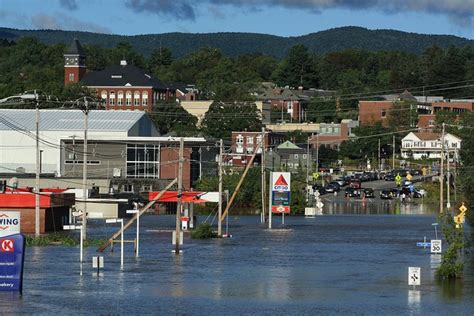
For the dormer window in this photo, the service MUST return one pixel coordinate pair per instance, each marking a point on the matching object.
(116, 76)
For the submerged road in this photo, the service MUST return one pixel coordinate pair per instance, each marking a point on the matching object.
(332, 264)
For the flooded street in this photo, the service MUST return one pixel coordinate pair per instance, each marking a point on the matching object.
(331, 264)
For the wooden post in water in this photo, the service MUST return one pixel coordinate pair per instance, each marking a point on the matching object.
(237, 188)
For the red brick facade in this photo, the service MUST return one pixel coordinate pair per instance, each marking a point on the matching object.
(73, 74)
(371, 112)
(169, 165)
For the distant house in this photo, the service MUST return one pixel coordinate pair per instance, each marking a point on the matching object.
(428, 145)
(291, 156)
(245, 144)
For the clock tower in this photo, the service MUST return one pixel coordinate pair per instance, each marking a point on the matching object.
(74, 63)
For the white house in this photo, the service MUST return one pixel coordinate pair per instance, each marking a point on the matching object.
(428, 145)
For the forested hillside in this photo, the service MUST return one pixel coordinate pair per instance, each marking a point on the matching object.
(236, 44)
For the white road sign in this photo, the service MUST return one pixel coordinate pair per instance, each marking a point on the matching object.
(9, 223)
(414, 275)
(436, 246)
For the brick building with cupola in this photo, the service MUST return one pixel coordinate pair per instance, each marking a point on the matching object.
(121, 87)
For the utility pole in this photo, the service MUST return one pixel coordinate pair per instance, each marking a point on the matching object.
(393, 152)
(307, 170)
(85, 110)
(219, 223)
(180, 193)
(262, 216)
(441, 174)
(380, 162)
(37, 185)
(448, 182)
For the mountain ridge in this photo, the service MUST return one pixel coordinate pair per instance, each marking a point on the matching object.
(234, 44)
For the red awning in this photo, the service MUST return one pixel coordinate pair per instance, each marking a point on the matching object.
(172, 196)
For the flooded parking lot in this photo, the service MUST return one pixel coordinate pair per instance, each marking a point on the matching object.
(331, 264)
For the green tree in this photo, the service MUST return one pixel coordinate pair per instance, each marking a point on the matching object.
(171, 117)
(403, 115)
(298, 69)
(223, 118)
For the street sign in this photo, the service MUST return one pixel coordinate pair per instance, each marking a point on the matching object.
(12, 251)
(423, 244)
(436, 245)
(281, 181)
(409, 177)
(98, 262)
(398, 179)
(414, 276)
(9, 223)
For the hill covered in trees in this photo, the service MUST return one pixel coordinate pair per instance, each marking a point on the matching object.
(236, 44)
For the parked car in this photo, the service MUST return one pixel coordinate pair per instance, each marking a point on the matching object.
(331, 188)
(389, 177)
(368, 193)
(341, 182)
(355, 183)
(386, 194)
(351, 192)
(336, 184)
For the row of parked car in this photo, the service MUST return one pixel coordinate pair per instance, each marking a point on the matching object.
(398, 192)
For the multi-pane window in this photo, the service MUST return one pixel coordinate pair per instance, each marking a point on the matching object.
(120, 98)
(128, 96)
(112, 98)
(136, 98)
(145, 98)
(143, 161)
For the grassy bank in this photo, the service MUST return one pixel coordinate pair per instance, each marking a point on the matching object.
(61, 239)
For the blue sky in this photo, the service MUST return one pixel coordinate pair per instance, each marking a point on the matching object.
(278, 17)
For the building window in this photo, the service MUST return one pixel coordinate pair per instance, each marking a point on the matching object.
(259, 139)
(145, 98)
(384, 113)
(103, 95)
(112, 98)
(249, 140)
(454, 145)
(71, 77)
(296, 156)
(128, 96)
(240, 139)
(136, 98)
(120, 98)
(143, 161)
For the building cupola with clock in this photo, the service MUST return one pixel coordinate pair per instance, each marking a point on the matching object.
(74, 63)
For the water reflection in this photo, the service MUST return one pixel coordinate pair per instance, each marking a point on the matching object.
(414, 299)
(373, 207)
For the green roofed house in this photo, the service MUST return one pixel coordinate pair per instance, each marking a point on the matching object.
(290, 156)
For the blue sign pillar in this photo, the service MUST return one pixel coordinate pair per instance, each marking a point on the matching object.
(12, 254)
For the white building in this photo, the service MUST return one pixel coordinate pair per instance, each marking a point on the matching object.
(428, 145)
(18, 134)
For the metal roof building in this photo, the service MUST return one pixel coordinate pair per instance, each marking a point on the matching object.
(18, 134)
